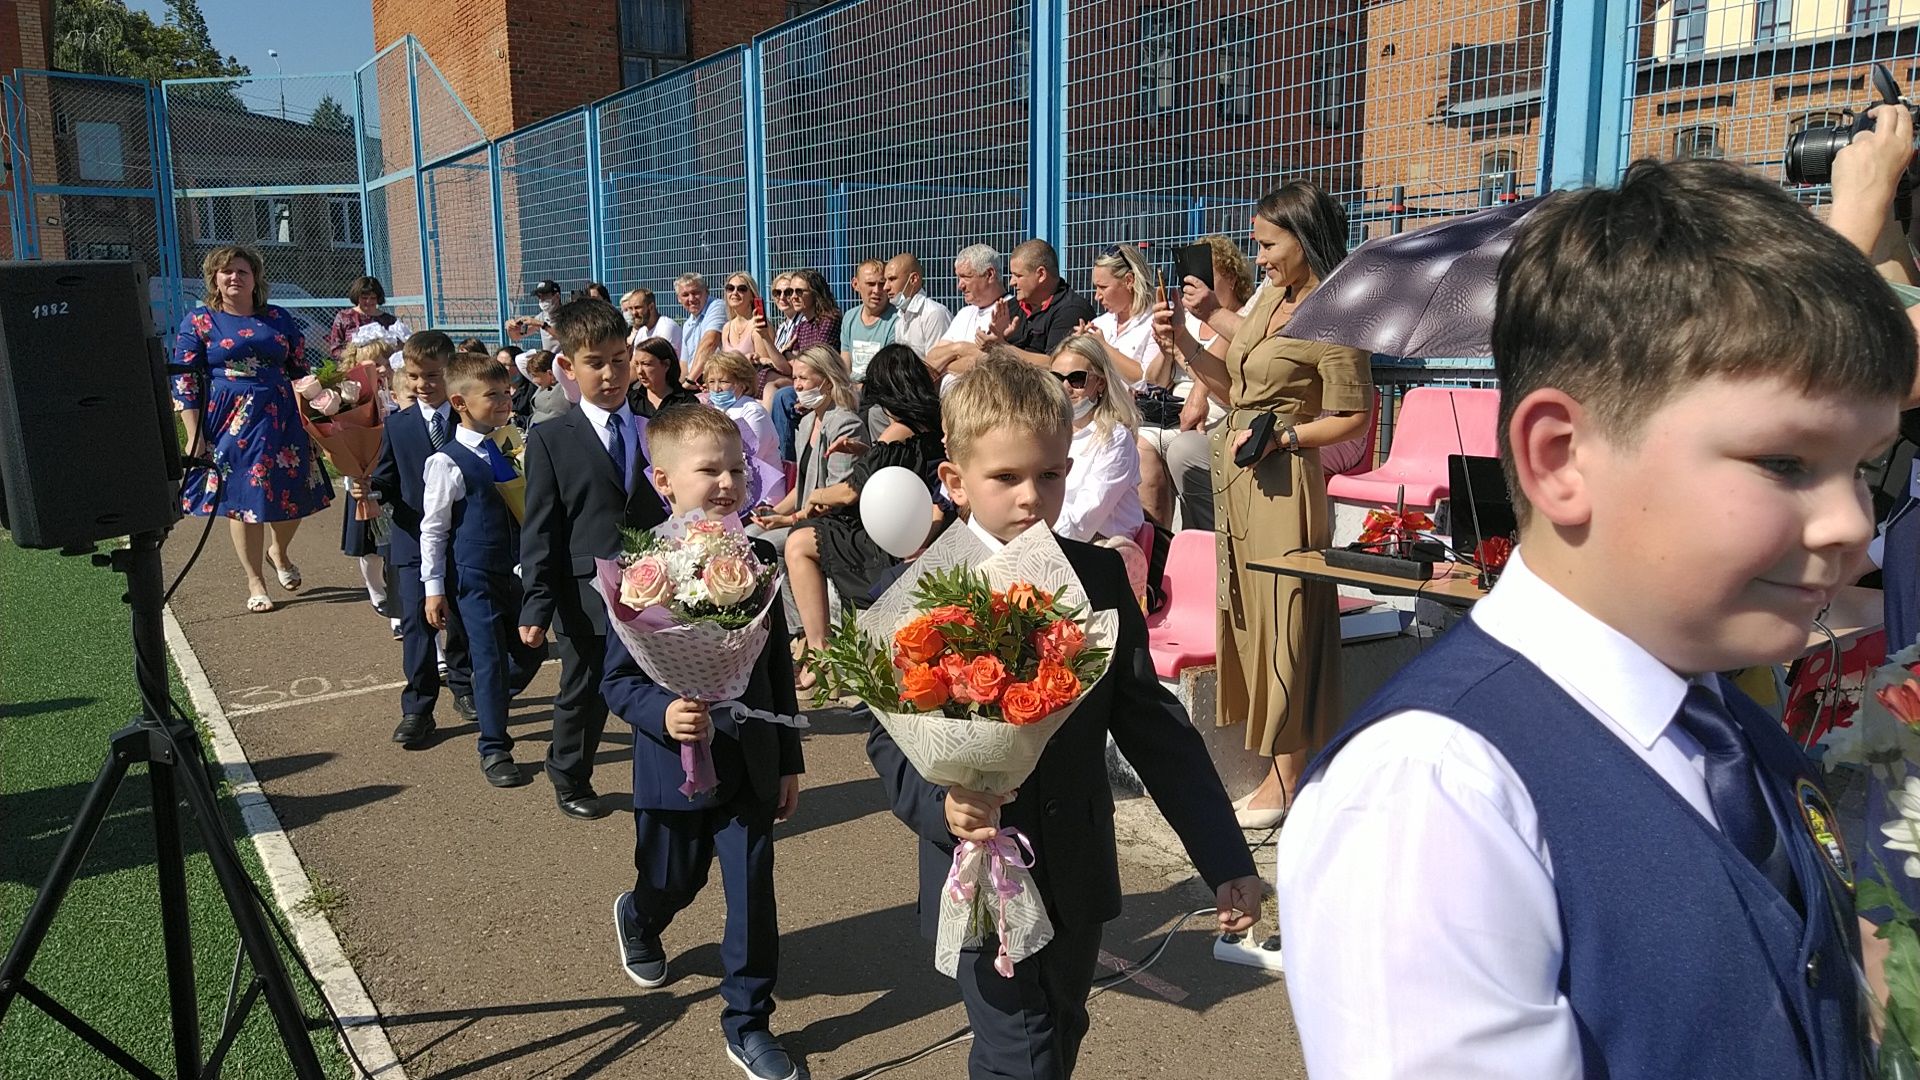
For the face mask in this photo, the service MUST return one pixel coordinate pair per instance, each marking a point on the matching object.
(546, 307)
(721, 399)
(809, 399)
(1083, 407)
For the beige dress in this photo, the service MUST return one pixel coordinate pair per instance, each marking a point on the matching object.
(1279, 637)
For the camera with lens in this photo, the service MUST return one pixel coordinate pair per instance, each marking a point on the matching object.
(1810, 153)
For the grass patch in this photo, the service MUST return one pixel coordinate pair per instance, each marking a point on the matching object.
(66, 683)
(323, 899)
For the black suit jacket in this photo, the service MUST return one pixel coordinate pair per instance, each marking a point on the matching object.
(748, 759)
(575, 508)
(1066, 806)
(399, 479)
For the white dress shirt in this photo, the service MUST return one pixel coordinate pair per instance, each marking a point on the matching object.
(446, 485)
(1103, 486)
(1133, 339)
(967, 324)
(662, 328)
(1416, 893)
(922, 322)
(597, 416)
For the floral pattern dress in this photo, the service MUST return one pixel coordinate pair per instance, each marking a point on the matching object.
(265, 468)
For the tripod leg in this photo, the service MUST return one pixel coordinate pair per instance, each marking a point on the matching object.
(66, 866)
(176, 932)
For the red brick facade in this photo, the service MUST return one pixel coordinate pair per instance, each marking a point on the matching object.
(26, 41)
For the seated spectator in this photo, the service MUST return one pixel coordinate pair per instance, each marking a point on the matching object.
(593, 290)
(976, 270)
(1044, 309)
(549, 397)
(656, 379)
(1177, 459)
(747, 331)
(864, 330)
(644, 317)
(523, 387)
(1123, 285)
(706, 315)
(729, 383)
(816, 322)
(830, 544)
(781, 291)
(1103, 484)
(923, 320)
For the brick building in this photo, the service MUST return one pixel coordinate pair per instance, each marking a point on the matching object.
(26, 41)
(515, 62)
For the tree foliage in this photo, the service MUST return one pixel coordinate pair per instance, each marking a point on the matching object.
(105, 37)
(329, 116)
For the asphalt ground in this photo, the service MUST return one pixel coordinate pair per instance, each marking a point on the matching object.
(480, 919)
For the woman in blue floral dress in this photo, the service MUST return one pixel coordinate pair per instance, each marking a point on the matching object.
(243, 409)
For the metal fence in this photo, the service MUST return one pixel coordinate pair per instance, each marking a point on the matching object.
(852, 133)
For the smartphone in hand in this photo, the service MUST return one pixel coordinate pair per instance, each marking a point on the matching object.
(1260, 434)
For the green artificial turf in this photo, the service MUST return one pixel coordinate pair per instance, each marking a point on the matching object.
(66, 683)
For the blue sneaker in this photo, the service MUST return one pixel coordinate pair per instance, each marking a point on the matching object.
(761, 1057)
(641, 955)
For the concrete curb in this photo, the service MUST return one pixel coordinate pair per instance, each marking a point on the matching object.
(288, 878)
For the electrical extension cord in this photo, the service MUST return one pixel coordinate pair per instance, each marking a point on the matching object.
(1239, 949)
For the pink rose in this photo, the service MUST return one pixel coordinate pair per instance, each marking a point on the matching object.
(646, 584)
(308, 387)
(729, 579)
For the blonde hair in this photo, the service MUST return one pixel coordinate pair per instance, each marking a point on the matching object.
(1003, 391)
(1228, 256)
(1115, 406)
(672, 429)
(219, 259)
(753, 287)
(1127, 263)
(373, 352)
(733, 367)
(824, 361)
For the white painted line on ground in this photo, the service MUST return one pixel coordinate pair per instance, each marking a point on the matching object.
(293, 702)
(288, 878)
(1147, 981)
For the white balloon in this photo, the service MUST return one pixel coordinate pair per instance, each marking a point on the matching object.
(897, 510)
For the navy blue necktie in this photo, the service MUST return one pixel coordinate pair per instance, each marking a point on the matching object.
(1733, 788)
(437, 431)
(617, 446)
(497, 461)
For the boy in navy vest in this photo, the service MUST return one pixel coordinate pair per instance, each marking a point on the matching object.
(469, 542)
(1558, 844)
(699, 463)
(1009, 430)
(413, 434)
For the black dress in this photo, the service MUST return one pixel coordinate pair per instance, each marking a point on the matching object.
(642, 405)
(850, 558)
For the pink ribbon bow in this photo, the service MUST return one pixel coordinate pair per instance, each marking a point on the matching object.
(1000, 852)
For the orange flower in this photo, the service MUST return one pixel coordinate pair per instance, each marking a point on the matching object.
(1060, 641)
(1902, 700)
(949, 613)
(997, 605)
(1024, 597)
(923, 688)
(953, 670)
(1023, 703)
(981, 682)
(1057, 684)
(919, 641)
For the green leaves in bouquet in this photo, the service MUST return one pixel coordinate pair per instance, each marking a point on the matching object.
(637, 541)
(330, 374)
(1007, 632)
(1900, 1040)
(853, 665)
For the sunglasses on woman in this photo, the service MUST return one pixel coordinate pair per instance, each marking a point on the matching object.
(783, 292)
(1075, 379)
(731, 287)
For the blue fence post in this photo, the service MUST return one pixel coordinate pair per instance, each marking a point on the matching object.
(360, 165)
(499, 236)
(1589, 62)
(596, 231)
(837, 231)
(419, 181)
(166, 212)
(1046, 122)
(754, 156)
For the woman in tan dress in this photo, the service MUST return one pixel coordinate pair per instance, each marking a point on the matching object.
(1278, 637)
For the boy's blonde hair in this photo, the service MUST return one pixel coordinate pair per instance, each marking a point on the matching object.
(671, 430)
(1003, 391)
(468, 369)
(733, 367)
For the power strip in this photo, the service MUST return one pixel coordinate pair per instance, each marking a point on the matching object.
(1236, 949)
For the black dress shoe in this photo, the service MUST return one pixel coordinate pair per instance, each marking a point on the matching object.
(582, 803)
(463, 707)
(414, 730)
(641, 955)
(761, 1056)
(501, 771)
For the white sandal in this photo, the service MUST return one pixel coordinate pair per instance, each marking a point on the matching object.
(289, 576)
(260, 604)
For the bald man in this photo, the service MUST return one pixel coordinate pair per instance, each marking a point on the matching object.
(922, 319)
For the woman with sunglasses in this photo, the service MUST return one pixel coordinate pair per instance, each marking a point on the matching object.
(815, 321)
(783, 303)
(1103, 485)
(1123, 285)
(747, 331)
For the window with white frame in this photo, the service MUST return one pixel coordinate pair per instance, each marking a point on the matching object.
(213, 221)
(1160, 56)
(1497, 176)
(1772, 21)
(1689, 27)
(1866, 14)
(1233, 70)
(343, 221)
(1330, 96)
(273, 219)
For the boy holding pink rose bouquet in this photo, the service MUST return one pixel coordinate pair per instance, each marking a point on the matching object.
(683, 816)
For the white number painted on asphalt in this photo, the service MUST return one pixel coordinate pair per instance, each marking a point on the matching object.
(253, 697)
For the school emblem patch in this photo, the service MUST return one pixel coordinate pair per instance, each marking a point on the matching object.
(1818, 816)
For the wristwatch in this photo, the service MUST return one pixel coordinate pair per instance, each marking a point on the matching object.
(1290, 439)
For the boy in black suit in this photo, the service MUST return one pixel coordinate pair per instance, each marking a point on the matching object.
(586, 478)
(1009, 429)
(469, 542)
(414, 434)
(699, 464)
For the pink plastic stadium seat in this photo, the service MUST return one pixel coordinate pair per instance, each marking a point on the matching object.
(1423, 436)
(1181, 634)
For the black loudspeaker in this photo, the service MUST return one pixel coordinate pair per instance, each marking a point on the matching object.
(88, 450)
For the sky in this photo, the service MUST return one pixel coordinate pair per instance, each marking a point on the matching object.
(312, 37)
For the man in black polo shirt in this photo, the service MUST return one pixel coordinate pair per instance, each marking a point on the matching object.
(1044, 310)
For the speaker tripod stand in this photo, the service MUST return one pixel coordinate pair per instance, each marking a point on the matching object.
(170, 749)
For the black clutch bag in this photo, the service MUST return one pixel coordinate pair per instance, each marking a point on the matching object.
(1158, 407)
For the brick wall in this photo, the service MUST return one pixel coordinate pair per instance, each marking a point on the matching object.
(26, 28)
(468, 41)
(715, 26)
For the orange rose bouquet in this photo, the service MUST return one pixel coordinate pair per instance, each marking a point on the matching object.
(971, 661)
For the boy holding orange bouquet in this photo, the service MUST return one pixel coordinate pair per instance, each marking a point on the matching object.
(1008, 433)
